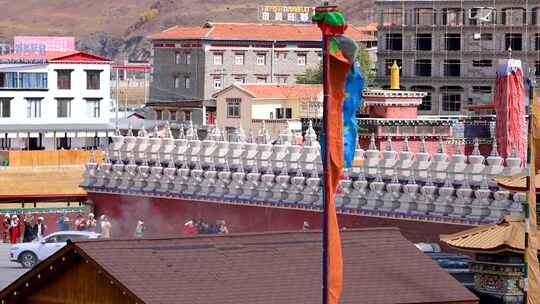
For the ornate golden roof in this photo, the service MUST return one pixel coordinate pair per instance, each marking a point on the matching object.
(508, 235)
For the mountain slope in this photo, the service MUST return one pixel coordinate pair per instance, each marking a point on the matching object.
(117, 28)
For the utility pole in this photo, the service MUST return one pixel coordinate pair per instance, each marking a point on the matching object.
(117, 97)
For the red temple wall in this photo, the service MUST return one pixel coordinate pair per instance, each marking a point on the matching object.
(397, 112)
(164, 216)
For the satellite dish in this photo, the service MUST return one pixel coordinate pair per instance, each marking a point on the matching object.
(484, 14)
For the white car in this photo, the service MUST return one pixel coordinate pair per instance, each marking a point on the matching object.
(31, 253)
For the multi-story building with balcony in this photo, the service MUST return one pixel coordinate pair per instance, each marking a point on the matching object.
(450, 48)
(190, 64)
(54, 100)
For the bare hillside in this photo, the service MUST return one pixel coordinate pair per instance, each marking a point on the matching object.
(117, 28)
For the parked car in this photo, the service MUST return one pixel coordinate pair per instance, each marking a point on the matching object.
(31, 253)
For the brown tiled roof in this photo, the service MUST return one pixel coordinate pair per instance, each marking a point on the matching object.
(253, 31)
(282, 90)
(380, 266)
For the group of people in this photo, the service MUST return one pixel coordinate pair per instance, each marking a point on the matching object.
(199, 226)
(86, 224)
(20, 228)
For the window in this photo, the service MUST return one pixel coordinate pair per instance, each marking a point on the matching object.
(218, 83)
(32, 80)
(5, 107)
(394, 42)
(453, 16)
(452, 68)
(425, 16)
(261, 59)
(239, 59)
(537, 42)
(423, 67)
(486, 36)
(8, 80)
(423, 42)
(240, 79)
(187, 115)
(283, 113)
(261, 79)
(389, 62)
(481, 89)
(537, 65)
(218, 58)
(93, 107)
(63, 107)
(63, 79)
(482, 63)
(172, 115)
(159, 115)
(33, 107)
(187, 82)
(393, 16)
(426, 103)
(514, 41)
(176, 82)
(178, 58)
(451, 102)
(233, 107)
(302, 59)
(92, 79)
(427, 100)
(534, 17)
(513, 16)
(452, 41)
(451, 97)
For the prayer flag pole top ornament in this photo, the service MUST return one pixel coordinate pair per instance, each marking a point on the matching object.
(342, 85)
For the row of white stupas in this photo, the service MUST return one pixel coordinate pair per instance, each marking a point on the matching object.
(440, 187)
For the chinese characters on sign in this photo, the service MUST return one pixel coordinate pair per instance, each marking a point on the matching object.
(52, 44)
(33, 53)
(296, 14)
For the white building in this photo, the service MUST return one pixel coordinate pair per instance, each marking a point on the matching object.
(60, 100)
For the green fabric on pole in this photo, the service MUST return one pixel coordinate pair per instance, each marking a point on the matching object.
(330, 18)
(334, 46)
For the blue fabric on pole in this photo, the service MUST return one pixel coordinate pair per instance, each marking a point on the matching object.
(354, 85)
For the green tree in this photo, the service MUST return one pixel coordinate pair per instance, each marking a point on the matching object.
(366, 66)
(314, 75)
(311, 76)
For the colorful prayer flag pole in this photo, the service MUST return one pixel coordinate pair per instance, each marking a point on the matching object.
(342, 87)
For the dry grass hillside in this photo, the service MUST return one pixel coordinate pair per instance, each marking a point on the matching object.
(117, 28)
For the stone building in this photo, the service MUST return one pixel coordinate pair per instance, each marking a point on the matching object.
(190, 64)
(450, 48)
(278, 106)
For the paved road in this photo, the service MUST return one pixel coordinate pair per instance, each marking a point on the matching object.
(9, 271)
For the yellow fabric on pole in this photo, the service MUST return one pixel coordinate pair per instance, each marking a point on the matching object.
(531, 254)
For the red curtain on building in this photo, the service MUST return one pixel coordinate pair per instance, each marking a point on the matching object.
(510, 107)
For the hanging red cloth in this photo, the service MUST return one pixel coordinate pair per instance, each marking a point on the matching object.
(510, 109)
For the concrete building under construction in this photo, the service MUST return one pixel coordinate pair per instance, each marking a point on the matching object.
(450, 48)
